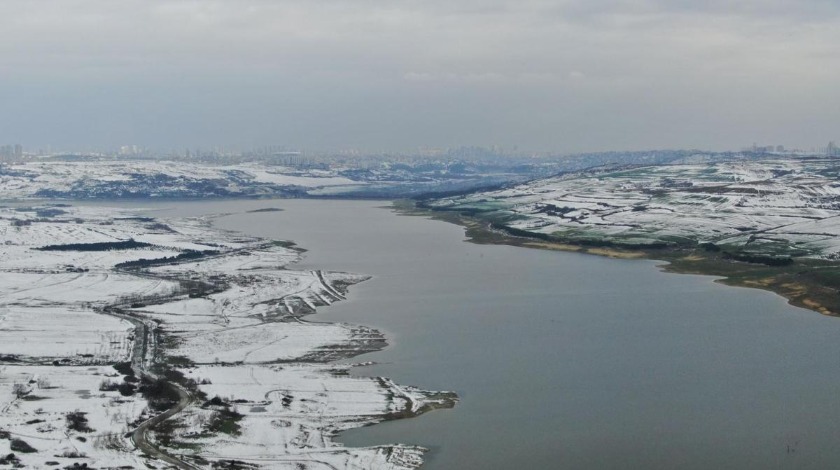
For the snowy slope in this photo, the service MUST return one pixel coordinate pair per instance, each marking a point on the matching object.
(772, 205)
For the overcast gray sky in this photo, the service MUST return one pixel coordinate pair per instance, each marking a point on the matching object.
(562, 75)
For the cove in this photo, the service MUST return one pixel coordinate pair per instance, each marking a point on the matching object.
(565, 360)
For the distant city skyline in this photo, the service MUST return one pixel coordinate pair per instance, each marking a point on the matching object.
(14, 152)
(375, 76)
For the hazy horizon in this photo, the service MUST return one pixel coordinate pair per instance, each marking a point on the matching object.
(563, 76)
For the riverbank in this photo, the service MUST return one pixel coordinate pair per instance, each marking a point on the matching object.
(805, 282)
(149, 339)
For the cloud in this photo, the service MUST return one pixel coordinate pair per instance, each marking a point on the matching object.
(732, 72)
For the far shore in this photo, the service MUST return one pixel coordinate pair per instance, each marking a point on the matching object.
(807, 283)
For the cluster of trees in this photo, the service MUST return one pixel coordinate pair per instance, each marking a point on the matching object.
(185, 256)
(768, 260)
(99, 246)
(758, 258)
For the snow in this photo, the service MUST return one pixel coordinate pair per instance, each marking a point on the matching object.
(260, 343)
(279, 404)
(795, 200)
(232, 317)
(109, 178)
(40, 417)
(48, 334)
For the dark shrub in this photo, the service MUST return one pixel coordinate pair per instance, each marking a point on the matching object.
(18, 445)
(77, 421)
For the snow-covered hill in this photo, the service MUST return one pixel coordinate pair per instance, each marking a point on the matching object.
(136, 179)
(771, 206)
(145, 178)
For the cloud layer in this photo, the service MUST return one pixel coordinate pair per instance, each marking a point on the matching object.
(563, 75)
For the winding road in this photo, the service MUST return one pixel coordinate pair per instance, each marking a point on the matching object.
(140, 439)
(140, 360)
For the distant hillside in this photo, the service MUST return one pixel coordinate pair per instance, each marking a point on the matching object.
(770, 206)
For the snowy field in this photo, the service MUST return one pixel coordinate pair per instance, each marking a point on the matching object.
(62, 414)
(291, 412)
(782, 205)
(83, 289)
(148, 178)
(110, 179)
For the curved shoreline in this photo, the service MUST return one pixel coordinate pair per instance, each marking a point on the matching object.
(801, 283)
(206, 328)
(402, 402)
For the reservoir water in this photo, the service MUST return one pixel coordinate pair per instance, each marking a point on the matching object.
(564, 360)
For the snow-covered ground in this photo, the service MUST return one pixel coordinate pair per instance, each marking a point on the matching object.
(148, 178)
(61, 413)
(111, 179)
(290, 413)
(219, 308)
(781, 205)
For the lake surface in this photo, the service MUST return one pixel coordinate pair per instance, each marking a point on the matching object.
(564, 360)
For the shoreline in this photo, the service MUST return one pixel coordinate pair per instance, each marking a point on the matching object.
(332, 360)
(806, 283)
(206, 334)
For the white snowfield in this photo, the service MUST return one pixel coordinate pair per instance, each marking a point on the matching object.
(53, 397)
(781, 205)
(292, 411)
(47, 334)
(226, 314)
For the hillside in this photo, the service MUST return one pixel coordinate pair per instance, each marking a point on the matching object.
(770, 223)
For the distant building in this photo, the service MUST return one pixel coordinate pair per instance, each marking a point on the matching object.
(832, 149)
(11, 152)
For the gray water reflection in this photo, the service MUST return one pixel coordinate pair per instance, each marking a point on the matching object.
(565, 360)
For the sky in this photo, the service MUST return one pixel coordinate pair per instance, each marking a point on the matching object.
(560, 76)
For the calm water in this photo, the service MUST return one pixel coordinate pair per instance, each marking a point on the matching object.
(569, 361)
